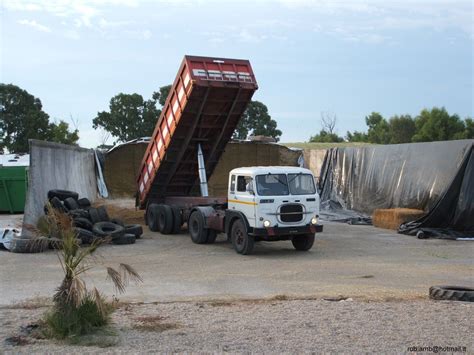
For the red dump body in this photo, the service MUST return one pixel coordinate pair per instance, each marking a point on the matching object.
(205, 103)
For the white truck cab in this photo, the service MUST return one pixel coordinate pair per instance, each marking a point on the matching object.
(272, 203)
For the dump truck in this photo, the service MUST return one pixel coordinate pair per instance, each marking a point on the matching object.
(201, 112)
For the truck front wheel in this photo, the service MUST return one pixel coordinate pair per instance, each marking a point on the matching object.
(242, 242)
(303, 242)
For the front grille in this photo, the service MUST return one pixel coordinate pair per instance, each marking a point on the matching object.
(291, 212)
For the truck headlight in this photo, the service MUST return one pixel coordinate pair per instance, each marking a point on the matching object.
(266, 224)
(314, 220)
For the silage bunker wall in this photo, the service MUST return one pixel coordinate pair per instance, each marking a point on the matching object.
(122, 164)
(57, 166)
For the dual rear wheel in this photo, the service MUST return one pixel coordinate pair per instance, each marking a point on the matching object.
(164, 218)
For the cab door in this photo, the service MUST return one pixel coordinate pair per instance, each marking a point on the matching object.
(242, 196)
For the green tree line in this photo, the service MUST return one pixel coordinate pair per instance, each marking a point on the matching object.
(434, 124)
(22, 118)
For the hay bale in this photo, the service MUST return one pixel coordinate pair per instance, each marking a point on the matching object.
(392, 218)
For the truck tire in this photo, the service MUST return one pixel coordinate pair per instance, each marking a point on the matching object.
(152, 217)
(242, 242)
(86, 236)
(303, 242)
(124, 239)
(134, 229)
(83, 223)
(71, 204)
(117, 221)
(103, 215)
(165, 219)
(104, 229)
(211, 236)
(196, 228)
(177, 219)
(57, 204)
(94, 215)
(84, 202)
(62, 194)
(452, 293)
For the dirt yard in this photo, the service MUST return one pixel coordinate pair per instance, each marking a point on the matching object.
(208, 298)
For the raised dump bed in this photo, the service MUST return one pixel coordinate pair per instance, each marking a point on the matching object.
(205, 103)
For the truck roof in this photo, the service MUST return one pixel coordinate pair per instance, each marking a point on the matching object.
(260, 170)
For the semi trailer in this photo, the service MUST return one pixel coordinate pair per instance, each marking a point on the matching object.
(201, 112)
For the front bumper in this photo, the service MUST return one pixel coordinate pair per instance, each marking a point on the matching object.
(286, 231)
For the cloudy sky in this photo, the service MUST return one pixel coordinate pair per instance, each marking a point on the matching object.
(346, 57)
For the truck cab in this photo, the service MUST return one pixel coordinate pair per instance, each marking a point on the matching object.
(272, 203)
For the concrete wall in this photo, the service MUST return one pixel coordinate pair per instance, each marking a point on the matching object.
(57, 166)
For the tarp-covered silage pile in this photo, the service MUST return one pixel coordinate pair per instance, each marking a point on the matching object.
(437, 177)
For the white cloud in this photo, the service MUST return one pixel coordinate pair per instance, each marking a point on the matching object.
(35, 25)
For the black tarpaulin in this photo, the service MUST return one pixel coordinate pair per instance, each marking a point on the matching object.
(357, 180)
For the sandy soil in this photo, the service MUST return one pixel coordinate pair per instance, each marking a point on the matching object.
(269, 326)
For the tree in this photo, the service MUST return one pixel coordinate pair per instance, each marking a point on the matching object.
(401, 129)
(378, 131)
(469, 132)
(130, 116)
(328, 122)
(161, 95)
(437, 125)
(23, 118)
(257, 121)
(356, 136)
(325, 137)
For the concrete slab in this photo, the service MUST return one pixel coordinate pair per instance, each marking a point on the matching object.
(354, 261)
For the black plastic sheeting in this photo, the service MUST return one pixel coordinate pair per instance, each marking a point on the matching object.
(357, 180)
(453, 215)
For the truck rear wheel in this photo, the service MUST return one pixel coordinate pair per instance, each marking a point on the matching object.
(152, 217)
(177, 219)
(165, 219)
(303, 242)
(196, 228)
(242, 242)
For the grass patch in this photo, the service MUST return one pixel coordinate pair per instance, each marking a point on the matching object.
(31, 303)
(154, 324)
(306, 145)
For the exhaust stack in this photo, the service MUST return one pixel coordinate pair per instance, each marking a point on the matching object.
(202, 173)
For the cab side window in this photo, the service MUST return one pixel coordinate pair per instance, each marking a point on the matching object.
(242, 182)
(232, 183)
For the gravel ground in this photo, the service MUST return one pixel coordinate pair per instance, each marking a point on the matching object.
(269, 326)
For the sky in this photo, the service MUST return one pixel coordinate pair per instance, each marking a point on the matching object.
(346, 58)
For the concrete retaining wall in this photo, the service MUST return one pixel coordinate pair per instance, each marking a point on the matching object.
(56, 166)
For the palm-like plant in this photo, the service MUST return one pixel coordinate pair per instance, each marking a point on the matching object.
(77, 310)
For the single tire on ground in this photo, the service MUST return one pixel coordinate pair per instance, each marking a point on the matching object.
(83, 223)
(104, 229)
(165, 219)
(117, 221)
(196, 228)
(452, 293)
(94, 215)
(177, 220)
(124, 239)
(84, 202)
(71, 204)
(62, 194)
(242, 242)
(134, 229)
(303, 242)
(103, 215)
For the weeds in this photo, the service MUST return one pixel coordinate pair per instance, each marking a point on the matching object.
(76, 310)
(153, 324)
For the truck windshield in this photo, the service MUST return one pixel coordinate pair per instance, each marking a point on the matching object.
(301, 184)
(272, 185)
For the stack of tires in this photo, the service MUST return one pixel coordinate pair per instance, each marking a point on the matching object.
(91, 223)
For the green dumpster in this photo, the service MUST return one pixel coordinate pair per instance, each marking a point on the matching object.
(13, 186)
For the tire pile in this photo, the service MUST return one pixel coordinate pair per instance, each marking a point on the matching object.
(91, 223)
